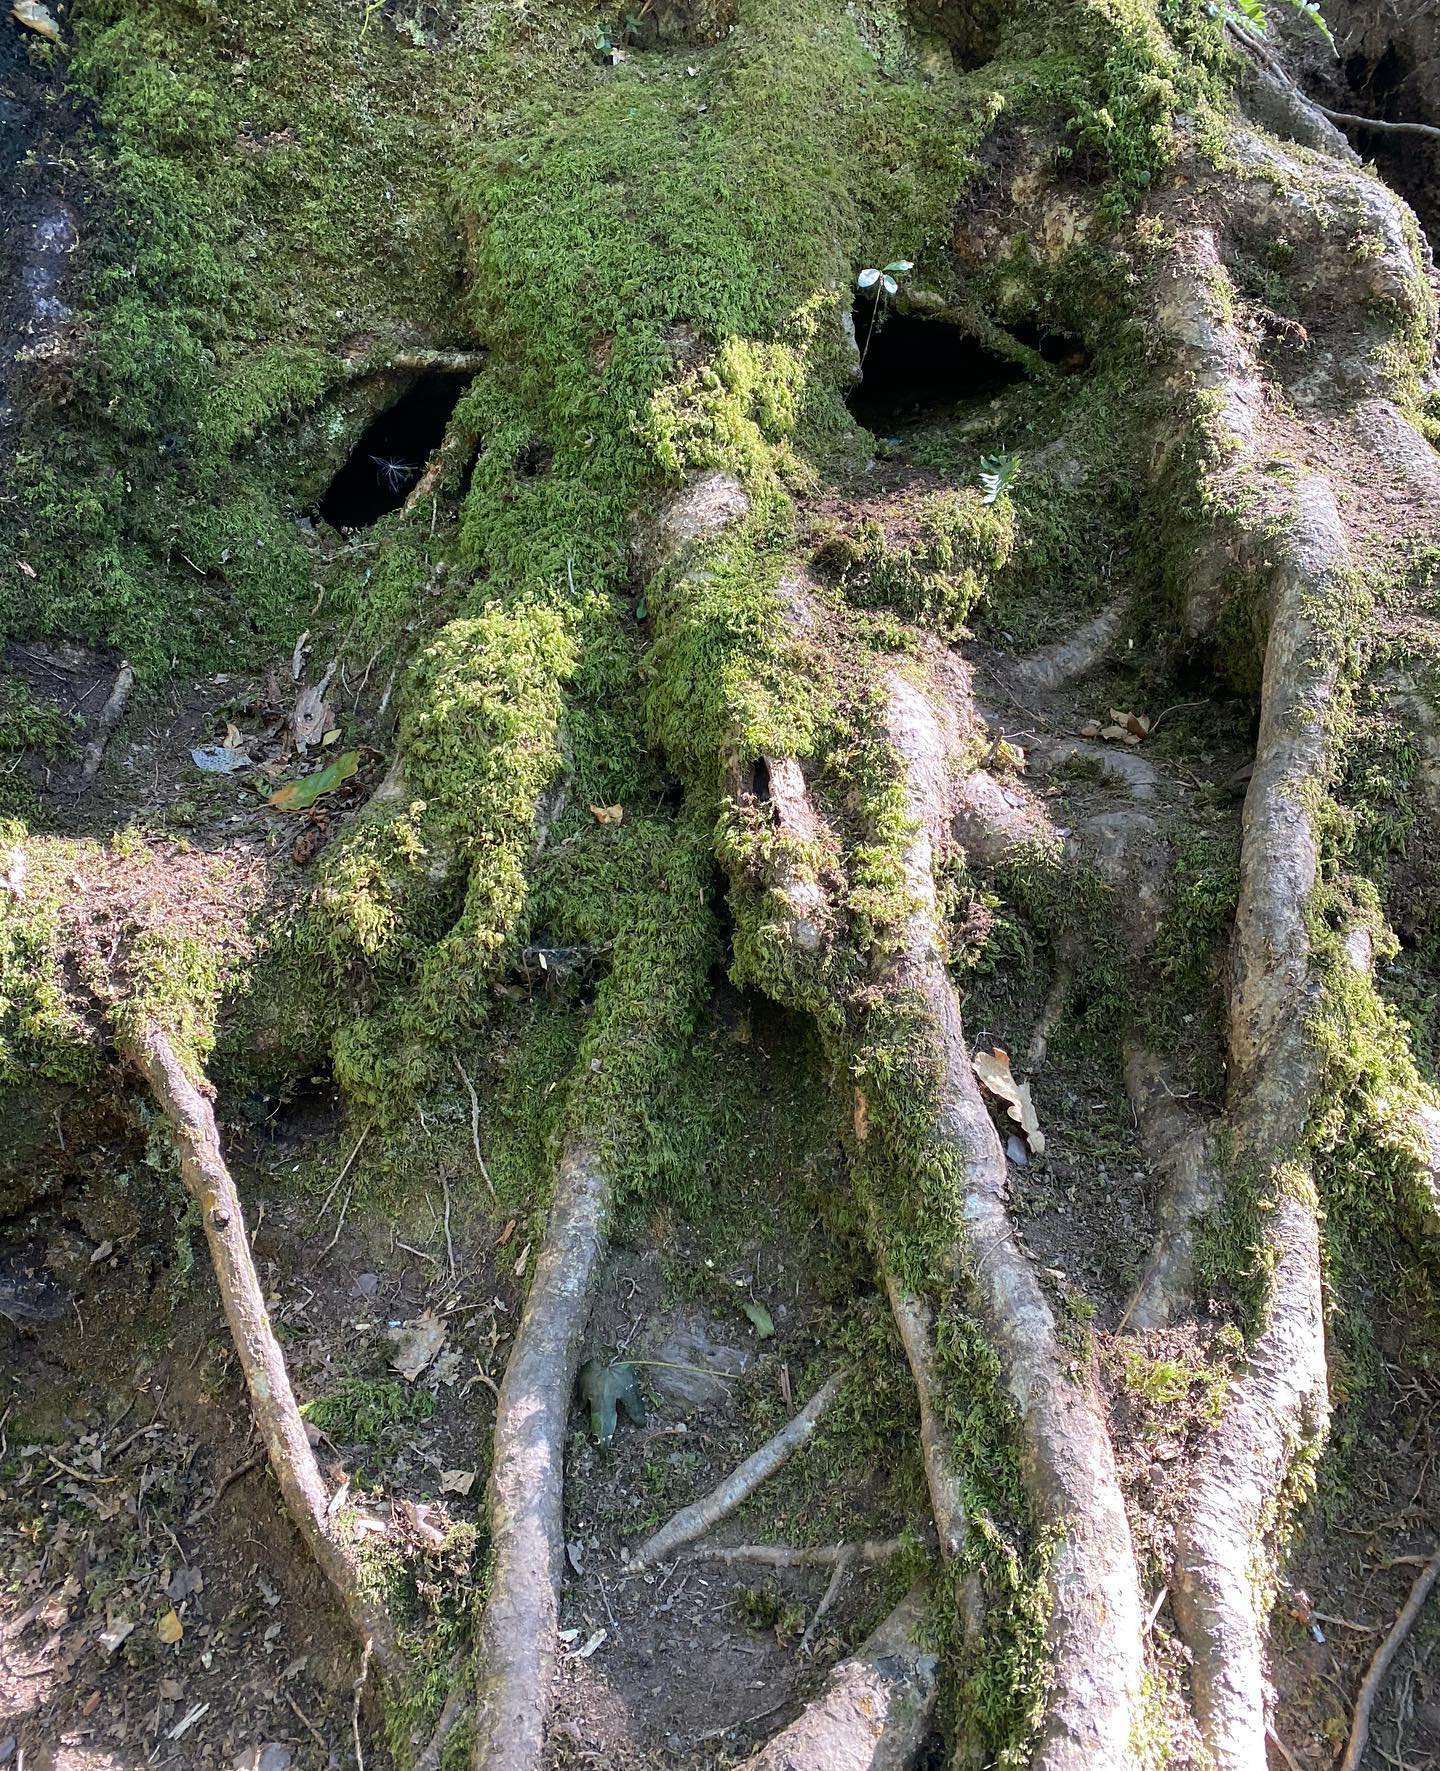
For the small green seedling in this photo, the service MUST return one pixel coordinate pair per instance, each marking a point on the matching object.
(1252, 13)
(883, 283)
(997, 476)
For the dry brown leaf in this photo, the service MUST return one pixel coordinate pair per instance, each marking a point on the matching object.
(506, 1233)
(993, 1069)
(456, 1481)
(169, 1628)
(418, 1343)
(607, 814)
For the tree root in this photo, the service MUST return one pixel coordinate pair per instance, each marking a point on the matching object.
(707, 1512)
(1095, 1625)
(1075, 656)
(208, 1181)
(865, 1553)
(1380, 1665)
(1279, 1403)
(106, 721)
(915, 1321)
(1180, 1150)
(875, 1713)
(517, 1647)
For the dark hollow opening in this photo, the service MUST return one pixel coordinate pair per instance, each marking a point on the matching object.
(391, 454)
(916, 369)
(1400, 89)
(1061, 350)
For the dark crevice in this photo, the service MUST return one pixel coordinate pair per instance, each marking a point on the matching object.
(391, 453)
(1399, 82)
(917, 368)
(760, 781)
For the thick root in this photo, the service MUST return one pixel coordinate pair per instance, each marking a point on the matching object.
(875, 1713)
(1095, 1627)
(208, 1181)
(517, 1647)
(1182, 1153)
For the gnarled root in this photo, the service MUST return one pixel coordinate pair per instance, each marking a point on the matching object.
(517, 1651)
(208, 1181)
(875, 1712)
(1279, 1403)
(1181, 1152)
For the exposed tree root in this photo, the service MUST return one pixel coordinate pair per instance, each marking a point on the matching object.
(866, 1553)
(106, 721)
(915, 1321)
(1279, 1404)
(1380, 1665)
(1181, 1152)
(208, 1181)
(874, 1714)
(1095, 1627)
(707, 1512)
(517, 1645)
(1075, 656)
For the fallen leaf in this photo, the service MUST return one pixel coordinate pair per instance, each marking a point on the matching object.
(993, 1069)
(520, 1265)
(418, 1343)
(456, 1481)
(608, 1388)
(760, 1318)
(91, 1704)
(296, 796)
(607, 814)
(26, 568)
(102, 1252)
(169, 1628)
(506, 1233)
(590, 1646)
(39, 19)
(111, 1639)
(1130, 728)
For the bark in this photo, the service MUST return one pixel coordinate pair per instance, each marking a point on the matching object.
(517, 1647)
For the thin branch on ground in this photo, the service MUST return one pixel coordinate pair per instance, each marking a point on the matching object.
(1383, 124)
(838, 1577)
(355, 1705)
(1380, 1665)
(207, 1179)
(475, 1126)
(707, 1512)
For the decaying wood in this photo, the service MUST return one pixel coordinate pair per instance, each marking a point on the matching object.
(208, 1181)
(106, 721)
(517, 1646)
(707, 1512)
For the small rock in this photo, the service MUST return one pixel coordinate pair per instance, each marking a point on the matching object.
(1016, 1152)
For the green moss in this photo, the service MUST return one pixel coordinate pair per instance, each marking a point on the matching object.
(369, 1411)
(172, 982)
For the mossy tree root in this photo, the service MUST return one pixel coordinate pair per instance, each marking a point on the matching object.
(207, 1179)
(1278, 1407)
(517, 1648)
(1069, 1464)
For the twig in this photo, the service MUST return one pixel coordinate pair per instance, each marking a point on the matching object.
(1281, 1748)
(1155, 1609)
(334, 1185)
(843, 1565)
(475, 1126)
(1379, 123)
(350, 1194)
(355, 1707)
(226, 1481)
(1380, 1665)
(704, 1514)
(307, 1724)
(449, 1245)
(106, 721)
(784, 1555)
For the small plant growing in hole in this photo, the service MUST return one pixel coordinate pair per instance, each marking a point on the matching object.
(997, 476)
(1252, 13)
(880, 285)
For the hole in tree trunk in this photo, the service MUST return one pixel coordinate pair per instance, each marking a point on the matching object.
(916, 368)
(391, 453)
